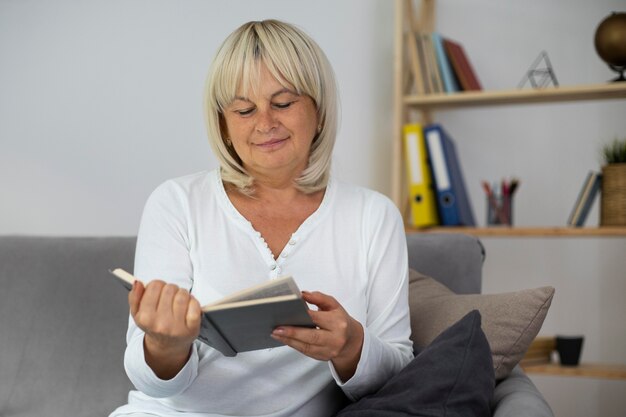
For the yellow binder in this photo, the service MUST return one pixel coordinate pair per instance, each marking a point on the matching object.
(421, 191)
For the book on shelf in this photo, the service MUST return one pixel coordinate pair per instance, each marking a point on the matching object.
(421, 193)
(416, 63)
(245, 320)
(432, 71)
(448, 76)
(585, 199)
(453, 202)
(463, 69)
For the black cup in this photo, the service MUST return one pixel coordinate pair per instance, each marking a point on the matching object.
(569, 348)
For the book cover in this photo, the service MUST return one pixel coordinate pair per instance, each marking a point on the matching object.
(585, 199)
(462, 68)
(452, 198)
(245, 320)
(450, 82)
(421, 192)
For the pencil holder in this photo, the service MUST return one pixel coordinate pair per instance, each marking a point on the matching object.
(500, 210)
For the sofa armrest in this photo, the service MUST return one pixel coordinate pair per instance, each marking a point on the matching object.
(517, 396)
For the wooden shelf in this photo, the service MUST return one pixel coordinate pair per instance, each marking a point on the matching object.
(528, 96)
(602, 371)
(527, 231)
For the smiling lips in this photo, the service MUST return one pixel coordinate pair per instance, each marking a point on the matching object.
(271, 144)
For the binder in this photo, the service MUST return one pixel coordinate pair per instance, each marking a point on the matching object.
(585, 199)
(451, 194)
(421, 193)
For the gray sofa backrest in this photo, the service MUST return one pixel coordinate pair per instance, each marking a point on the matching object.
(62, 326)
(455, 260)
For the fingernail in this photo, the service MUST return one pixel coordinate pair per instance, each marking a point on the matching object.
(279, 331)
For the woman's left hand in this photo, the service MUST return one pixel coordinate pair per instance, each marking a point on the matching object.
(338, 338)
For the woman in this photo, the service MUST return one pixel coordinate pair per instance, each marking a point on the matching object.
(271, 210)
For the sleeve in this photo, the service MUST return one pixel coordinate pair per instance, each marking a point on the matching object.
(387, 347)
(162, 253)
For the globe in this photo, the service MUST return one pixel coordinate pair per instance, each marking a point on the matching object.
(610, 42)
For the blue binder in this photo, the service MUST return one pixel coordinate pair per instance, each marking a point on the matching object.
(453, 202)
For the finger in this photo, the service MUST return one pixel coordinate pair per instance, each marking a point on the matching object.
(152, 293)
(321, 300)
(310, 342)
(329, 320)
(166, 299)
(134, 297)
(194, 314)
(180, 304)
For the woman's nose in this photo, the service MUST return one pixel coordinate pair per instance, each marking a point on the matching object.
(266, 121)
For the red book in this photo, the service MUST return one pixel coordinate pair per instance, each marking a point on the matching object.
(462, 68)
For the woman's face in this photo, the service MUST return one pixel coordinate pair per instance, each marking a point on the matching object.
(272, 128)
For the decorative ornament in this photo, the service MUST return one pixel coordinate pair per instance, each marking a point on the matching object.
(610, 42)
(540, 74)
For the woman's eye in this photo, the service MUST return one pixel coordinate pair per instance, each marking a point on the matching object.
(244, 112)
(283, 105)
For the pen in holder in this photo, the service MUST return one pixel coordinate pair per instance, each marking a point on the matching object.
(500, 202)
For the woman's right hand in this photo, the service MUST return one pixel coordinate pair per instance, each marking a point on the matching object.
(170, 318)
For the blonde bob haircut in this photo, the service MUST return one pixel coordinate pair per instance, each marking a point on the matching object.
(297, 62)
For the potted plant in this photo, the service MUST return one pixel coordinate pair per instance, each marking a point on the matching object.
(613, 197)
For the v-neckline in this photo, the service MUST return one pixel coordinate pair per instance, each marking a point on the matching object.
(300, 233)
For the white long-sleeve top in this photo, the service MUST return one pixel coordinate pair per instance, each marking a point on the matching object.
(352, 247)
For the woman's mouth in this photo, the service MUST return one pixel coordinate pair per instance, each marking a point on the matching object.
(271, 144)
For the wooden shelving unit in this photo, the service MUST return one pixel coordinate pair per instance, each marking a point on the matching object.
(504, 231)
(588, 370)
(515, 97)
(426, 104)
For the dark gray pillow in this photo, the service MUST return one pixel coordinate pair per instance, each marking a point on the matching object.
(451, 377)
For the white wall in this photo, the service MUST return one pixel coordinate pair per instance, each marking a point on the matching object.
(100, 101)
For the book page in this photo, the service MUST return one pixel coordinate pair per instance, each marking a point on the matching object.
(275, 288)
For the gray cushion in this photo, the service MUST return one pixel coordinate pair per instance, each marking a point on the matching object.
(452, 377)
(510, 320)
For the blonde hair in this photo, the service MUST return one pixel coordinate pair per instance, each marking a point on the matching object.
(292, 57)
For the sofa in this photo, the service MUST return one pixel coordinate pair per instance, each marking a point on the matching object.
(63, 321)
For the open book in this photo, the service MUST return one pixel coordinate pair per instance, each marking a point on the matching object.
(244, 320)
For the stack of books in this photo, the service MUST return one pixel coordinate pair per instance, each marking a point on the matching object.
(440, 65)
(587, 195)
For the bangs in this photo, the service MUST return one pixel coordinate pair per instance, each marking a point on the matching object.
(287, 57)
